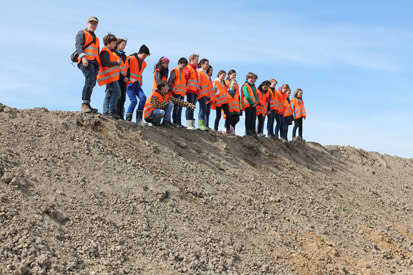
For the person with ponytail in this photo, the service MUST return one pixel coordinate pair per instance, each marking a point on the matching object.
(160, 72)
(211, 97)
(222, 101)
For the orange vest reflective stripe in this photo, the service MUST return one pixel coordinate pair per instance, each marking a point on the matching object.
(299, 109)
(108, 75)
(192, 83)
(92, 51)
(212, 95)
(149, 108)
(281, 99)
(155, 86)
(235, 105)
(287, 108)
(123, 68)
(273, 100)
(179, 86)
(262, 107)
(244, 102)
(205, 86)
(222, 97)
(133, 64)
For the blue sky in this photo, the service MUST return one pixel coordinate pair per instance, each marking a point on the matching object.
(351, 58)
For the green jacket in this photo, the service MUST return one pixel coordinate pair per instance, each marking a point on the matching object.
(247, 95)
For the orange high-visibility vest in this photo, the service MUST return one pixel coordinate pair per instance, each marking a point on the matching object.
(287, 108)
(149, 108)
(222, 97)
(262, 107)
(273, 99)
(244, 102)
(298, 109)
(122, 68)
(92, 51)
(205, 86)
(235, 105)
(212, 95)
(108, 75)
(281, 102)
(179, 86)
(192, 83)
(155, 85)
(133, 64)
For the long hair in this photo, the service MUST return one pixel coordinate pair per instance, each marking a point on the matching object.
(230, 72)
(264, 83)
(163, 71)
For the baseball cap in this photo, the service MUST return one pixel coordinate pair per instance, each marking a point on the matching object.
(93, 18)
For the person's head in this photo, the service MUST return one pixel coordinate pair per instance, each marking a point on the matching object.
(92, 23)
(163, 65)
(182, 63)
(110, 41)
(232, 74)
(204, 64)
(288, 92)
(210, 71)
(251, 78)
(121, 44)
(298, 93)
(221, 75)
(264, 86)
(233, 84)
(163, 87)
(143, 52)
(193, 59)
(273, 83)
(285, 88)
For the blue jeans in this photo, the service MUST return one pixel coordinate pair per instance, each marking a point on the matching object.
(279, 126)
(112, 94)
(177, 112)
(270, 123)
(158, 114)
(207, 113)
(202, 115)
(90, 73)
(191, 98)
(134, 90)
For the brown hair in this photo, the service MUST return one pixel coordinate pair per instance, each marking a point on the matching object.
(193, 56)
(221, 72)
(109, 38)
(255, 76)
(296, 92)
(272, 80)
(120, 40)
(250, 75)
(285, 86)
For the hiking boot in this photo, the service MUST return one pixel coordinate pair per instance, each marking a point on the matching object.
(92, 109)
(128, 116)
(167, 124)
(114, 115)
(139, 115)
(85, 108)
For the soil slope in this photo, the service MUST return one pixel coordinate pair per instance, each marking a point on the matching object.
(86, 194)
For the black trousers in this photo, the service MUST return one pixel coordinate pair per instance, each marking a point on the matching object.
(224, 107)
(298, 123)
(250, 118)
(122, 98)
(261, 120)
(234, 120)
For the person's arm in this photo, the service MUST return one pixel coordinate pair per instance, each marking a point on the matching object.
(80, 43)
(105, 60)
(158, 105)
(158, 77)
(128, 67)
(181, 102)
(247, 96)
(171, 80)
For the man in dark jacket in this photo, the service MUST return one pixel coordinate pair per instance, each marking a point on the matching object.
(89, 61)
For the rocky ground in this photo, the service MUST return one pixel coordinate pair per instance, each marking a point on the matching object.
(86, 194)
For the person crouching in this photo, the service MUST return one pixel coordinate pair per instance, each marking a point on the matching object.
(160, 104)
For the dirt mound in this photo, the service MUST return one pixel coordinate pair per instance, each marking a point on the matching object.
(84, 194)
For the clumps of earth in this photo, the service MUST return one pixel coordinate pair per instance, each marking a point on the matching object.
(87, 194)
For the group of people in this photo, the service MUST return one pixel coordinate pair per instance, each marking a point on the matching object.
(192, 78)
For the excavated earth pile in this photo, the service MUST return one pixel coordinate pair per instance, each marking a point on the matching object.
(86, 194)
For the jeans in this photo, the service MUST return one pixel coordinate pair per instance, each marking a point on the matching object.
(112, 93)
(225, 108)
(298, 123)
(280, 124)
(158, 114)
(122, 98)
(270, 123)
(191, 98)
(177, 112)
(90, 73)
(208, 112)
(261, 120)
(202, 115)
(286, 131)
(250, 118)
(134, 90)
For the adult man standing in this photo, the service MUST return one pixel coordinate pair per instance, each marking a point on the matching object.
(87, 46)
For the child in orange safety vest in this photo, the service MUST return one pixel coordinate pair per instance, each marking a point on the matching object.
(234, 105)
(262, 106)
(288, 113)
(177, 89)
(204, 92)
(249, 101)
(272, 108)
(211, 97)
(297, 105)
(160, 72)
(222, 101)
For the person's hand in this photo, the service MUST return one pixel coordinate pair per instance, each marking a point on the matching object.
(85, 62)
(193, 107)
(126, 79)
(119, 61)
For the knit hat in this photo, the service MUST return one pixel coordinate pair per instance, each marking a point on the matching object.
(144, 49)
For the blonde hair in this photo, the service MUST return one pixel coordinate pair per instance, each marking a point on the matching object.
(233, 80)
(193, 56)
(285, 86)
(272, 80)
(296, 92)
